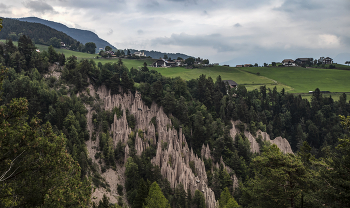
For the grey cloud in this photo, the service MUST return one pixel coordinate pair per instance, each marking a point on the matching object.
(39, 6)
(110, 32)
(297, 5)
(237, 25)
(140, 32)
(215, 41)
(4, 9)
(152, 4)
(96, 6)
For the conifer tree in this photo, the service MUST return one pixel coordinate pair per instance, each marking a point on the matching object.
(35, 169)
(156, 198)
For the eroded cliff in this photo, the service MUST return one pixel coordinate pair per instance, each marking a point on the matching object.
(173, 155)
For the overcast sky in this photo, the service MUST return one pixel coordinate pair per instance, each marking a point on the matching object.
(224, 31)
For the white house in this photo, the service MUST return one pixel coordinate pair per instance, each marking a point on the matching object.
(139, 54)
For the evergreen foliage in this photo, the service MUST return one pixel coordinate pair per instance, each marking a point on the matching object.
(36, 170)
(156, 198)
(39, 33)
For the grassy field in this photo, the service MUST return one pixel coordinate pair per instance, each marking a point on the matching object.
(302, 80)
(251, 81)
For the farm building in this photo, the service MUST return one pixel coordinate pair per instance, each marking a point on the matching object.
(288, 62)
(163, 63)
(327, 61)
(324, 60)
(231, 83)
(301, 61)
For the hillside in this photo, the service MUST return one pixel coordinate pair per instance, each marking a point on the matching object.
(82, 36)
(181, 143)
(85, 36)
(39, 33)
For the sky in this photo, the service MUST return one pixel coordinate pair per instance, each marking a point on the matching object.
(223, 31)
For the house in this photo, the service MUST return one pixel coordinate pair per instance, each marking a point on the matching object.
(62, 44)
(163, 63)
(239, 65)
(231, 83)
(179, 62)
(247, 65)
(288, 62)
(139, 53)
(227, 65)
(303, 61)
(327, 61)
(37, 50)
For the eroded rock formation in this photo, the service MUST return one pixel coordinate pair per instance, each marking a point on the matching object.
(173, 154)
(281, 143)
(175, 159)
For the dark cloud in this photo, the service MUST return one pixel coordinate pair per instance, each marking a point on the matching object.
(237, 25)
(39, 6)
(4, 9)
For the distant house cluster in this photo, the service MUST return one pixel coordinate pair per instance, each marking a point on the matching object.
(306, 61)
(162, 62)
(245, 65)
(167, 63)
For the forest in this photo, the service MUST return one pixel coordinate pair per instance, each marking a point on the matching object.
(39, 33)
(44, 130)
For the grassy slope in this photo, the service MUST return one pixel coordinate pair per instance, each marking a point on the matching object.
(251, 81)
(307, 79)
(293, 79)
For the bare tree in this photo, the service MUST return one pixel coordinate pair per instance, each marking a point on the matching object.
(3, 176)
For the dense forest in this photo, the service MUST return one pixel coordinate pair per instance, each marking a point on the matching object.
(39, 33)
(48, 110)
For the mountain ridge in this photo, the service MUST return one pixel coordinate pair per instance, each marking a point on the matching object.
(80, 35)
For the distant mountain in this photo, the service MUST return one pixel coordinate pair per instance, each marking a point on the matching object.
(41, 34)
(82, 36)
(85, 36)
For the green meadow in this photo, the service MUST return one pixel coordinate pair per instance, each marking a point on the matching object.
(303, 80)
(250, 81)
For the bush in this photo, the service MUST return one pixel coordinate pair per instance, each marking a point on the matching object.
(120, 190)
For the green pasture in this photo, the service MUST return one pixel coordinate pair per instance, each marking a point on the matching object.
(135, 63)
(251, 81)
(303, 80)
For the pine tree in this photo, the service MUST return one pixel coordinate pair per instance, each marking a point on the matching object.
(279, 180)
(156, 198)
(35, 169)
